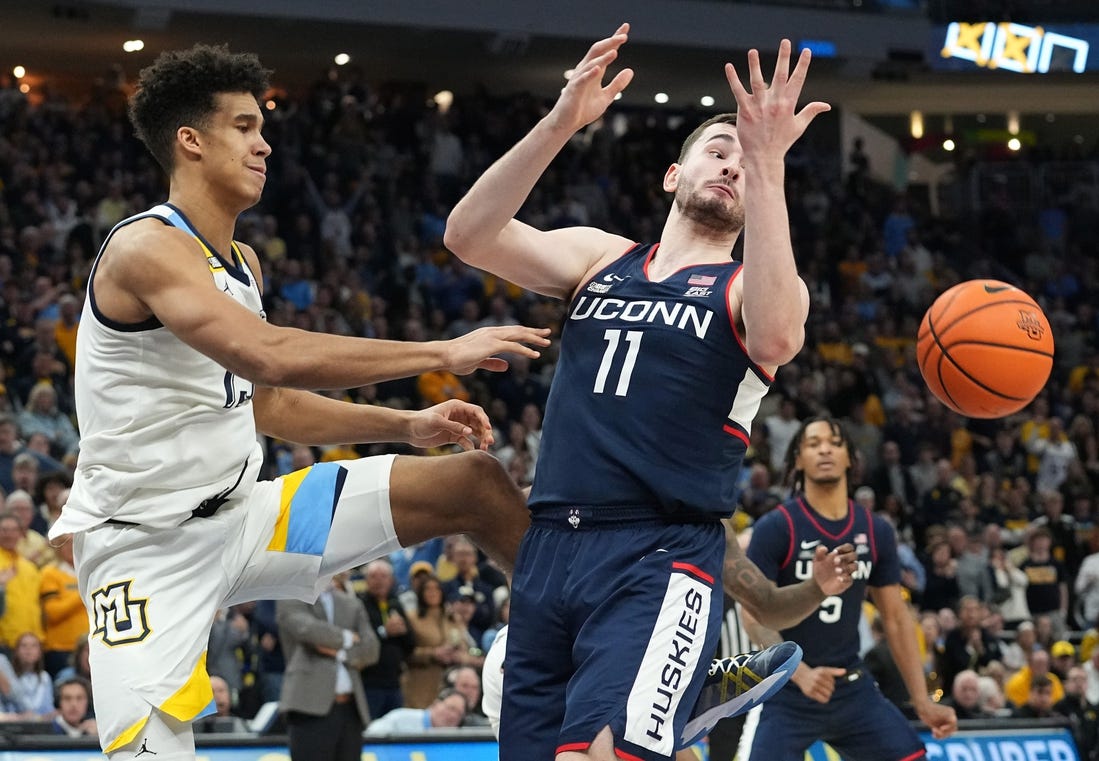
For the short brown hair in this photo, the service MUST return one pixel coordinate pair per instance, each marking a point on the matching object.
(729, 118)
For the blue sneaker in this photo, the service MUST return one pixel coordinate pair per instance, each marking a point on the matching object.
(738, 684)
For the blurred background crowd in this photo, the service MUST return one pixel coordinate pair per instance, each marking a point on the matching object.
(996, 518)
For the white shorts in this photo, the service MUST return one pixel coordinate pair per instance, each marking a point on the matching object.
(152, 593)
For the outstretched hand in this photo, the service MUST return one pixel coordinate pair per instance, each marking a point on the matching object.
(941, 719)
(584, 98)
(767, 124)
(834, 571)
(476, 350)
(452, 422)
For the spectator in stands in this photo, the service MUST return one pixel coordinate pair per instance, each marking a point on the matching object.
(464, 555)
(781, 428)
(968, 646)
(11, 448)
(1087, 584)
(1019, 686)
(223, 719)
(74, 717)
(1017, 653)
(25, 687)
(79, 665)
(447, 710)
(965, 695)
(941, 589)
(382, 680)
(467, 681)
(1062, 658)
(974, 576)
(53, 491)
(67, 325)
(440, 643)
(229, 633)
(325, 644)
(270, 662)
(1039, 700)
(891, 477)
(32, 545)
(42, 415)
(1047, 587)
(1054, 452)
(1083, 715)
(992, 701)
(1009, 589)
(63, 614)
(20, 581)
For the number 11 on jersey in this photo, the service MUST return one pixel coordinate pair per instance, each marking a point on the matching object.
(613, 337)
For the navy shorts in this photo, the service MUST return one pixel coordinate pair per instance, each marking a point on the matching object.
(859, 722)
(611, 625)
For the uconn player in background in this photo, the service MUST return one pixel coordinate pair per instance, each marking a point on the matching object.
(177, 371)
(667, 351)
(832, 696)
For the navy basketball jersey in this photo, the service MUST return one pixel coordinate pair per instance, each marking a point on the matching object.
(653, 396)
(783, 543)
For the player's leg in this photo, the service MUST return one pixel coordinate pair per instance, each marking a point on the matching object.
(782, 728)
(385, 503)
(152, 595)
(869, 727)
(468, 493)
(538, 656)
(648, 604)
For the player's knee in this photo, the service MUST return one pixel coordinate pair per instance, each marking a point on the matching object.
(486, 476)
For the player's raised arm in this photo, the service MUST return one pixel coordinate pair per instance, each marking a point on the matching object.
(775, 301)
(482, 231)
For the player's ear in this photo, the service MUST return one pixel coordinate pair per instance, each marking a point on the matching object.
(187, 138)
(671, 178)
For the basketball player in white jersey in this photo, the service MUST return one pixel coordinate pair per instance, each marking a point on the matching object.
(177, 371)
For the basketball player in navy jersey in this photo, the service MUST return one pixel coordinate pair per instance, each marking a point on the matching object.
(666, 353)
(832, 696)
(178, 371)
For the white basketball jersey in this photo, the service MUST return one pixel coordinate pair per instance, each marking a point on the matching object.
(163, 427)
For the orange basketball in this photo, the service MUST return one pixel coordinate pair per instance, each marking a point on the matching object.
(985, 348)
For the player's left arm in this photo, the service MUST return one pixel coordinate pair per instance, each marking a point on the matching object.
(900, 633)
(783, 607)
(775, 302)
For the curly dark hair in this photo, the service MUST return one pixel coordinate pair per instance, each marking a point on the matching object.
(179, 89)
(795, 478)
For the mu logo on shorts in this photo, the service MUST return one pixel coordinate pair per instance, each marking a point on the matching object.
(119, 618)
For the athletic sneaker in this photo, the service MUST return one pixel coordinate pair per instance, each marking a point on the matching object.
(738, 684)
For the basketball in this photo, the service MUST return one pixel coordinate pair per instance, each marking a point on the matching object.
(985, 348)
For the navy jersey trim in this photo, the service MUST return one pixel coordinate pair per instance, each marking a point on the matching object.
(230, 265)
(812, 518)
(870, 531)
(790, 523)
(150, 323)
